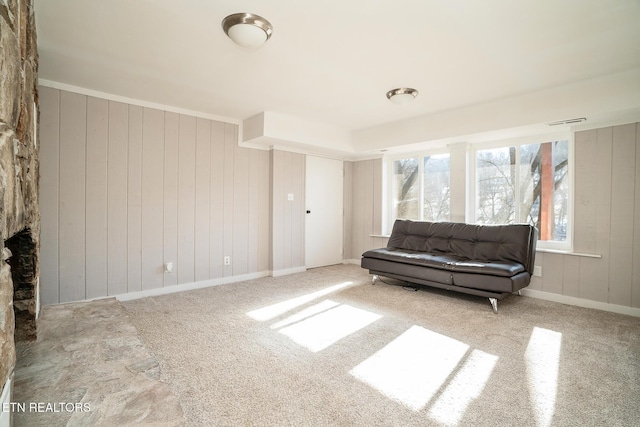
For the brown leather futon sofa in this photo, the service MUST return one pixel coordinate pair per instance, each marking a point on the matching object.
(492, 261)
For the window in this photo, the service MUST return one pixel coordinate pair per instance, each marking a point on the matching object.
(421, 188)
(503, 182)
(526, 183)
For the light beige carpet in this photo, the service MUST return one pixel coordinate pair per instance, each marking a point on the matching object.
(327, 348)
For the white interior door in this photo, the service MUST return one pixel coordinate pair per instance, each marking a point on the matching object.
(323, 222)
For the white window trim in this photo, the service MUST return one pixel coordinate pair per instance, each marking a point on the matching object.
(470, 172)
(388, 216)
(566, 246)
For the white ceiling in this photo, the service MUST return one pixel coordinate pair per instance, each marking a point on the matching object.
(331, 62)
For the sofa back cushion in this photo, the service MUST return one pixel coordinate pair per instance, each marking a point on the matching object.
(510, 243)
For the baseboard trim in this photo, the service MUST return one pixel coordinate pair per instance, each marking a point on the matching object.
(188, 286)
(351, 261)
(287, 271)
(580, 302)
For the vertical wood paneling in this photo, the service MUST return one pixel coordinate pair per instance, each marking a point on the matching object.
(240, 211)
(635, 290)
(73, 134)
(96, 199)
(230, 138)
(170, 197)
(359, 188)
(152, 199)
(586, 179)
(186, 199)
(49, 152)
(264, 196)
(277, 212)
(595, 272)
(202, 202)
(134, 201)
(622, 213)
(376, 227)
(117, 169)
(143, 187)
(552, 273)
(254, 211)
(287, 219)
(368, 201)
(347, 203)
(537, 282)
(103, 174)
(571, 276)
(216, 207)
(604, 153)
(287, 216)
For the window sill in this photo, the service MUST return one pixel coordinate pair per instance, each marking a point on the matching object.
(559, 252)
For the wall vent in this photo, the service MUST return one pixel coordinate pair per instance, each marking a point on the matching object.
(568, 121)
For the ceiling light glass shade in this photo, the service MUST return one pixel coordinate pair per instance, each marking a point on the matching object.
(403, 95)
(247, 30)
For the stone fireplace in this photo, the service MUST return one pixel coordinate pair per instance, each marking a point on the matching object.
(24, 275)
(19, 214)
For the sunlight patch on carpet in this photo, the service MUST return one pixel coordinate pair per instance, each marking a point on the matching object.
(307, 312)
(272, 311)
(413, 367)
(464, 388)
(542, 361)
(324, 329)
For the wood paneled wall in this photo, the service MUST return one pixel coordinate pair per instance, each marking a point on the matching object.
(288, 216)
(127, 188)
(606, 220)
(365, 207)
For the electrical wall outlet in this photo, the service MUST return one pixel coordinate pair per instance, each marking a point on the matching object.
(537, 271)
(227, 260)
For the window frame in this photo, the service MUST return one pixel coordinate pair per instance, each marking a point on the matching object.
(472, 197)
(388, 196)
(389, 203)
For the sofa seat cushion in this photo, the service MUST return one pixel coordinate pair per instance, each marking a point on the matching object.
(448, 262)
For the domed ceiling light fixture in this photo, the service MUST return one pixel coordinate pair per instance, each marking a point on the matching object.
(403, 95)
(247, 30)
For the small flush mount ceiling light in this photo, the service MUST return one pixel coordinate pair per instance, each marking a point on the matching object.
(247, 30)
(403, 95)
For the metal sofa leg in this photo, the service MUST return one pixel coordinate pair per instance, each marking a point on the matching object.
(374, 279)
(494, 304)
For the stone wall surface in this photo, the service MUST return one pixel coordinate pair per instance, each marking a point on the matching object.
(18, 165)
